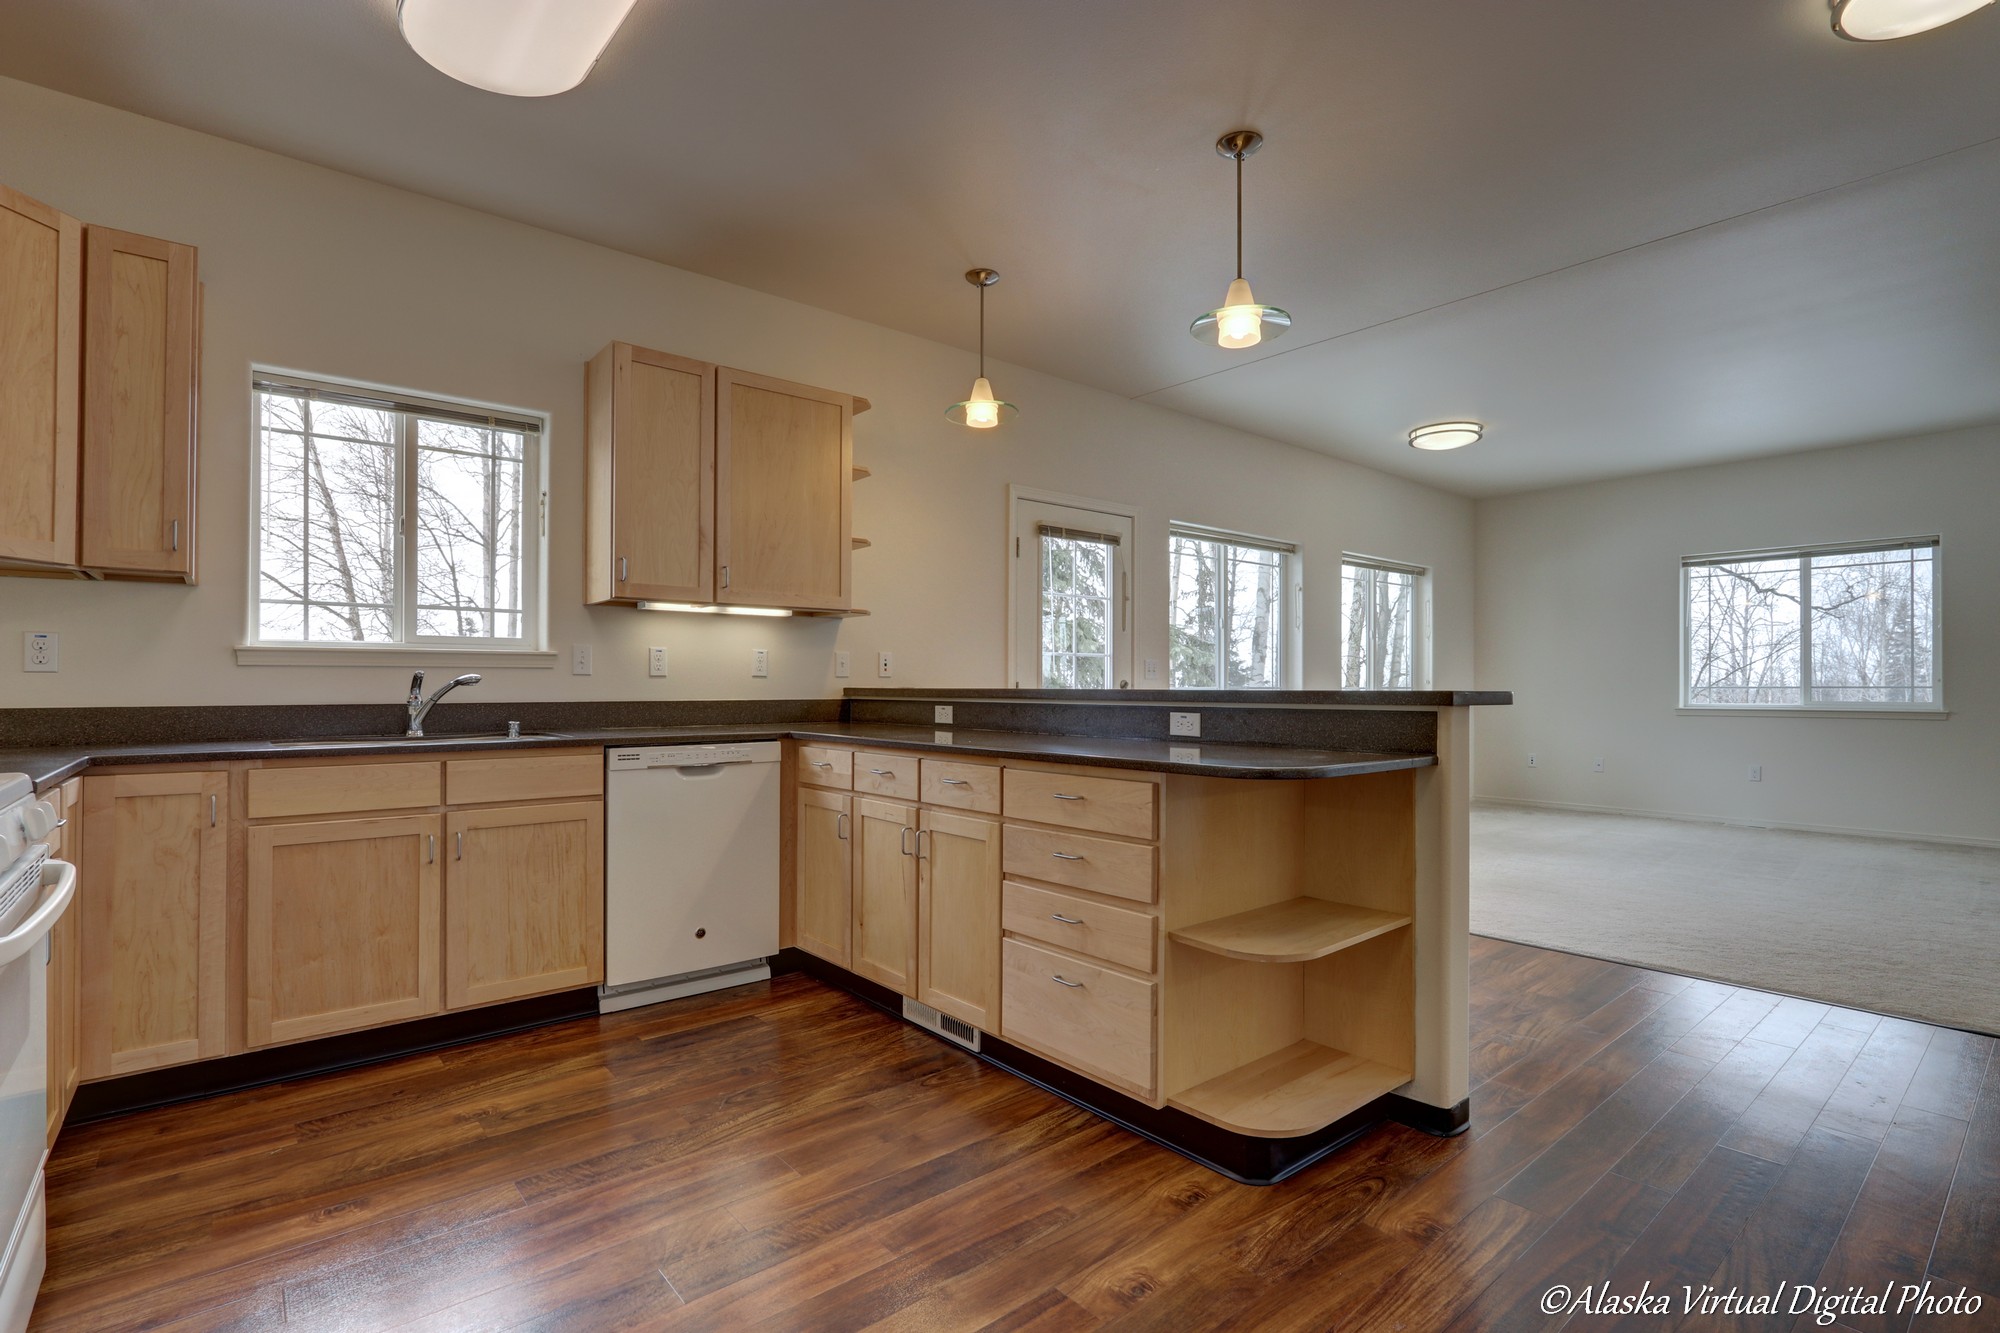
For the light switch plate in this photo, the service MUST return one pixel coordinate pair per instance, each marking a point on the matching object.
(39, 651)
(840, 665)
(1756, 772)
(760, 662)
(941, 713)
(1184, 724)
(1152, 671)
(579, 659)
(885, 665)
(656, 661)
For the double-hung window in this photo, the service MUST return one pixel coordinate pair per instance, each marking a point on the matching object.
(1383, 625)
(386, 520)
(1848, 626)
(1233, 618)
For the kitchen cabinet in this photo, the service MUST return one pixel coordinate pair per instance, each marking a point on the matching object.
(885, 894)
(958, 916)
(649, 422)
(824, 876)
(524, 901)
(64, 1034)
(41, 322)
(341, 926)
(784, 493)
(141, 360)
(152, 924)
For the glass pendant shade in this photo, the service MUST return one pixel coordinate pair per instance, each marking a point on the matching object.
(522, 48)
(1239, 321)
(1886, 20)
(981, 411)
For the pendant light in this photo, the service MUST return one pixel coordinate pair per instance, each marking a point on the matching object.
(1886, 20)
(1239, 321)
(522, 48)
(981, 411)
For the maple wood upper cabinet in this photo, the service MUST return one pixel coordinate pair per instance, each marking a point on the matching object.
(41, 292)
(650, 516)
(784, 493)
(141, 356)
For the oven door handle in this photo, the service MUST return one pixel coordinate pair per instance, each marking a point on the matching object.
(55, 900)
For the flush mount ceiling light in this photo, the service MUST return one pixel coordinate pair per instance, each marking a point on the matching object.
(1446, 435)
(981, 411)
(523, 48)
(1239, 321)
(1886, 20)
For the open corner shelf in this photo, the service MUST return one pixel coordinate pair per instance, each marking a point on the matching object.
(1300, 1089)
(862, 472)
(860, 543)
(1295, 931)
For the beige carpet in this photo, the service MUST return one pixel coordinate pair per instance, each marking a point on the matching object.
(1905, 928)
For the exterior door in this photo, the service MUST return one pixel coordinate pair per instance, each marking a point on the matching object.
(825, 888)
(885, 894)
(342, 926)
(1070, 589)
(784, 489)
(524, 911)
(41, 345)
(958, 914)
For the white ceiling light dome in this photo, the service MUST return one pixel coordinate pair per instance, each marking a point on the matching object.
(1446, 435)
(1886, 20)
(523, 48)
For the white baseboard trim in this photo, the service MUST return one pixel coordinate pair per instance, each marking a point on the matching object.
(1890, 835)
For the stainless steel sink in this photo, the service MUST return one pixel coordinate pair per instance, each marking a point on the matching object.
(434, 738)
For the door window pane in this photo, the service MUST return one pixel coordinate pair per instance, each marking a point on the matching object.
(1077, 596)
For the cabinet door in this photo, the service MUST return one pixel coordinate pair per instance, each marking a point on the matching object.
(824, 892)
(64, 942)
(650, 520)
(524, 901)
(885, 894)
(958, 915)
(139, 368)
(784, 486)
(41, 345)
(342, 926)
(154, 898)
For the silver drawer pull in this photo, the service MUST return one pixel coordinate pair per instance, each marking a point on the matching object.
(955, 782)
(883, 772)
(1065, 856)
(1066, 920)
(1057, 977)
(820, 763)
(1065, 796)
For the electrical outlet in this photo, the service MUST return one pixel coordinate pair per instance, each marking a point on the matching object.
(1184, 724)
(1152, 668)
(1531, 759)
(1597, 765)
(579, 659)
(941, 713)
(1756, 772)
(885, 665)
(38, 651)
(760, 661)
(656, 661)
(840, 665)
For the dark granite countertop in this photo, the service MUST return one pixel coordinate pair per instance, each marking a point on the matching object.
(47, 766)
(1212, 698)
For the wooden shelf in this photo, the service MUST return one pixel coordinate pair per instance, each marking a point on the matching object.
(1296, 931)
(861, 404)
(860, 543)
(1298, 1090)
(862, 472)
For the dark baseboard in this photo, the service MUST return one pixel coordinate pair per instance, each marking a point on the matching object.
(233, 1073)
(1242, 1157)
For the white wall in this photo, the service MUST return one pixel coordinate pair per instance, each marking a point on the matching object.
(1578, 613)
(321, 272)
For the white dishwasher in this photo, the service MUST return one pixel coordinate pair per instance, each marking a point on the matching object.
(690, 870)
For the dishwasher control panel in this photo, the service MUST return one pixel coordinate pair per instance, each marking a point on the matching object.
(689, 756)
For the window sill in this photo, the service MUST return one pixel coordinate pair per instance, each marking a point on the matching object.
(1913, 714)
(396, 655)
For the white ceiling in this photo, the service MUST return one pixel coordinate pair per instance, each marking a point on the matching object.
(1628, 235)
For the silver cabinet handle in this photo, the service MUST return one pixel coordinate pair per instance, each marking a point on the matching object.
(1065, 796)
(820, 763)
(923, 833)
(62, 823)
(624, 570)
(883, 772)
(1065, 856)
(458, 853)
(1057, 977)
(432, 855)
(955, 782)
(840, 827)
(211, 809)
(905, 840)
(174, 535)
(1066, 920)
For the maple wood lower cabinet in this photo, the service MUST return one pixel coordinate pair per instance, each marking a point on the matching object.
(885, 894)
(824, 884)
(153, 922)
(524, 901)
(958, 917)
(342, 926)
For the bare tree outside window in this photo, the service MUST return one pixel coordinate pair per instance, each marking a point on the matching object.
(1077, 607)
(1379, 626)
(1819, 628)
(1227, 620)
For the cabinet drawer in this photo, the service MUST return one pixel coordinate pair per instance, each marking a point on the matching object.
(335, 789)
(1121, 869)
(962, 786)
(883, 774)
(1103, 805)
(1096, 1020)
(821, 767)
(493, 778)
(1115, 934)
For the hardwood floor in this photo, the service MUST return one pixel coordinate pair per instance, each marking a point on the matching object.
(783, 1156)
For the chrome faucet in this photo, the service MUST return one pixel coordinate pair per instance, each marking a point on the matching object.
(420, 707)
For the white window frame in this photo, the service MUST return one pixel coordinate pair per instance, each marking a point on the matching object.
(530, 650)
(1420, 620)
(1291, 608)
(1807, 706)
(1024, 593)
